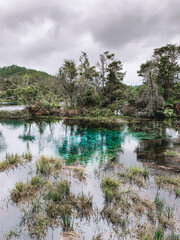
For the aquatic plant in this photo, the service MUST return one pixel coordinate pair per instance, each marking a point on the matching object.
(11, 160)
(27, 155)
(173, 236)
(15, 232)
(79, 172)
(137, 171)
(83, 204)
(177, 192)
(115, 216)
(159, 203)
(159, 233)
(58, 191)
(110, 187)
(46, 165)
(24, 191)
(171, 179)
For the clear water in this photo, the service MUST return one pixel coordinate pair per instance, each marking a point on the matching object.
(90, 143)
(132, 143)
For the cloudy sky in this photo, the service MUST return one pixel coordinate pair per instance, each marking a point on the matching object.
(40, 34)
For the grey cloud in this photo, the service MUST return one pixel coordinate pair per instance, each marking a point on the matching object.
(43, 33)
(122, 22)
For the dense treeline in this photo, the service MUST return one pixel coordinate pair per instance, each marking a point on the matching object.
(99, 90)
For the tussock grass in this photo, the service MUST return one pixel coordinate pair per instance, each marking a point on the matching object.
(115, 216)
(79, 172)
(13, 160)
(169, 182)
(136, 175)
(167, 179)
(24, 191)
(110, 187)
(47, 165)
(137, 171)
(70, 236)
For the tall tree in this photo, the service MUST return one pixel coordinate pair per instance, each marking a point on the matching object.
(167, 60)
(68, 76)
(150, 93)
(102, 65)
(87, 82)
(110, 69)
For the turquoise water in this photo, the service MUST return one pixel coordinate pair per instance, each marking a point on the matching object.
(88, 142)
(92, 144)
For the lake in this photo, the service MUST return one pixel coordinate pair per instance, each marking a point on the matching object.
(92, 144)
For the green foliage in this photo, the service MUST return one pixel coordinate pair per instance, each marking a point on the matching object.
(46, 165)
(100, 87)
(169, 112)
(159, 234)
(26, 95)
(104, 112)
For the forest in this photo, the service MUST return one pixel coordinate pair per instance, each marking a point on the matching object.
(86, 90)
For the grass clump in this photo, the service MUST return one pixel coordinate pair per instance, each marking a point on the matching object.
(137, 171)
(134, 174)
(79, 173)
(24, 191)
(169, 182)
(110, 187)
(27, 155)
(159, 234)
(84, 205)
(35, 219)
(167, 179)
(58, 192)
(11, 160)
(171, 153)
(47, 165)
(177, 192)
(115, 216)
(159, 203)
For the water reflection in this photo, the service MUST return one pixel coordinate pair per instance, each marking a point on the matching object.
(90, 142)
